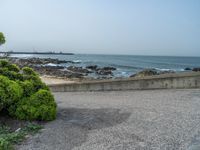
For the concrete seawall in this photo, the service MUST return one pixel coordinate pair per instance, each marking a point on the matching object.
(165, 81)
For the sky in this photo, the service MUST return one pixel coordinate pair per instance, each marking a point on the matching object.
(133, 27)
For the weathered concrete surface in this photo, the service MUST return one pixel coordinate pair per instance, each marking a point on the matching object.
(165, 81)
(122, 120)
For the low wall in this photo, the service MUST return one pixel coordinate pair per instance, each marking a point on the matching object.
(165, 81)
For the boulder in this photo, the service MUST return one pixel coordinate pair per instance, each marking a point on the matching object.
(108, 68)
(92, 67)
(146, 72)
(166, 72)
(36, 61)
(187, 69)
(78, 69)
(104, 72)
(196, 69)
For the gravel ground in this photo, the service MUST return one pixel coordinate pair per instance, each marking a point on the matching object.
(122, 120)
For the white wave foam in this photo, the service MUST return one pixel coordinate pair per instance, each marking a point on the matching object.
(51, 64)
(77, 61)
(164, 69)
(21, 55)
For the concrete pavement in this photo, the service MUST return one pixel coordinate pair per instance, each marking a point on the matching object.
(122, 120)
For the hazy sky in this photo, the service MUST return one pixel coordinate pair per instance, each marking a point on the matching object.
(138, 27)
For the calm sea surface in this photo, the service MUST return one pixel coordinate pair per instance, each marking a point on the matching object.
(127, 64)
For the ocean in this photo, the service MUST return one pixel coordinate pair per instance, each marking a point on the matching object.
(126, 64)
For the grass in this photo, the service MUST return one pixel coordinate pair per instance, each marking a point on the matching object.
(8, 137)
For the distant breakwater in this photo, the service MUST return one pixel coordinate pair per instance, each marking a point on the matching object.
(40, 53)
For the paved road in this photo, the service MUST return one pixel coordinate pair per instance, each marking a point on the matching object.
(125, 120)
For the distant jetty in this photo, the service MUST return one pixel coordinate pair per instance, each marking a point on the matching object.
(40, 53)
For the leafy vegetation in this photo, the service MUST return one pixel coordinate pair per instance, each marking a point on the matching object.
(9, 137)
(2, 38)
(23, 95)
(40, 106)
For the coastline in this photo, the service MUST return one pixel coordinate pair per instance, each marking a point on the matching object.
(56, 71)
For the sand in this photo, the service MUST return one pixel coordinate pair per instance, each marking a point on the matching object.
(54, 80)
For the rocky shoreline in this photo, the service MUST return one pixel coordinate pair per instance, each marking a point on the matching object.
(55, 68)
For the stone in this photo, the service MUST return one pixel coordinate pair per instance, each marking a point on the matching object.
(187, 69)
(196, 69)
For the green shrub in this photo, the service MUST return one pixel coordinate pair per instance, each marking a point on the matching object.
(29, 71)
(36, 82)
(28, 88)
(24, 95)
(11, 74)
(13, 67)
(10, 92)
(40, 106)
(4, 63)
(12, 71)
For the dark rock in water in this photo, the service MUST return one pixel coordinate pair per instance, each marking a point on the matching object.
(92, 67)
(104, 72)
(187, 69)
(166, 72)
(78, 69)
(108, 68)
(49, 67)
(196, 69)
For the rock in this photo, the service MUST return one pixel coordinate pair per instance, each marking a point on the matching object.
(196, 69)
(51, 67)
(78, 69)
(36, 61)
(187, 69)
(166, 72)
(108, 68)
(92, 67)
(104, 72)
(146, 72)
(53, 71)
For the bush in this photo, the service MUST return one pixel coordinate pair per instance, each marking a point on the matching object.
(28, 88)
(40, 105)
(24, 95)
(4, 63)
(11, 74)
(28, 71)
(10, 92)
(13, 67)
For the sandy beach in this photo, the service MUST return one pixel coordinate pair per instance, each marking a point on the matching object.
(55, 80)
(151, 119)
